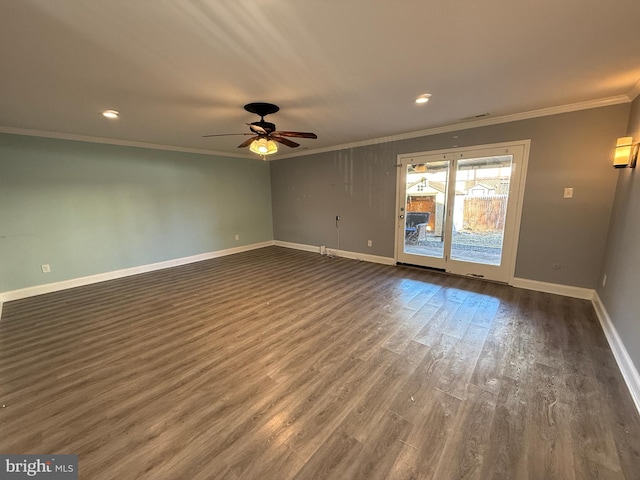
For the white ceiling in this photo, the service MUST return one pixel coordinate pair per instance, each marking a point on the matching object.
(347, 70)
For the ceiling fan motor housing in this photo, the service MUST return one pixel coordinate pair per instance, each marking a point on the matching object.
(268, 126)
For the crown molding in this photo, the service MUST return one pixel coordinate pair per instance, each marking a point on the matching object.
(113, 141)
(543, 112)
(634, 92)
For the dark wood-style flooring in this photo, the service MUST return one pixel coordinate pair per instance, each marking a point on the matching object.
(281, 364)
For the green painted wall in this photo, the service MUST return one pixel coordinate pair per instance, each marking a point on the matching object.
(87, 208)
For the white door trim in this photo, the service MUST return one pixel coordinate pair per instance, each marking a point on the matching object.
(524, 144)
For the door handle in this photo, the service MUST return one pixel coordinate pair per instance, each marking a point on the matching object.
(401, 216)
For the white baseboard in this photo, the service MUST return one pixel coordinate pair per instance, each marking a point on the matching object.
(126, 272)
(297, 246)
(338, 253)
(625, 364)
(565, 290)
(102, 277)
(364, 257)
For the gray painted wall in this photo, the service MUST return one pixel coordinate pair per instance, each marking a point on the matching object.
(567, 150)
(621, 295)
(88, 208)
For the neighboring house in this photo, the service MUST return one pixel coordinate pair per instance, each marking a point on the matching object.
(480, 190)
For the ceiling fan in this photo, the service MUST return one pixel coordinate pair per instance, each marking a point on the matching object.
(264, 134)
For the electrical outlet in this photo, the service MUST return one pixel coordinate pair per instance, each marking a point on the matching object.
(369, 243)
(237, 237)
(568, 192)
(45, 268)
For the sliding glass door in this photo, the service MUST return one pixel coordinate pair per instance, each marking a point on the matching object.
(458, 210)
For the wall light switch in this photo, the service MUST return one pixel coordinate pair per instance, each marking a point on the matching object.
(568, 192)
(45, 268)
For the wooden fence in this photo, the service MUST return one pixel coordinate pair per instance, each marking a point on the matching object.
(484, 214)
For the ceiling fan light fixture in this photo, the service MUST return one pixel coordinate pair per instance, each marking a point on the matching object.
(262, 146)
(264, 134)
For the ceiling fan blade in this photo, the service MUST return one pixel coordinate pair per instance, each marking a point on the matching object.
(226, 134)
(247, 142)
(296, 134)
(284, 141)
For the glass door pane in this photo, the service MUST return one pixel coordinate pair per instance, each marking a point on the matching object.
(480, 209)
(425, 207)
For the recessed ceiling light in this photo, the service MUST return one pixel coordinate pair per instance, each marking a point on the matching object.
(111, 113)
(424, 98)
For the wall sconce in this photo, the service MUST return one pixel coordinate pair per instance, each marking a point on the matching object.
(626, 153)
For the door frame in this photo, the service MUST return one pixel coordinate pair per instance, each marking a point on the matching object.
(525, 144)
